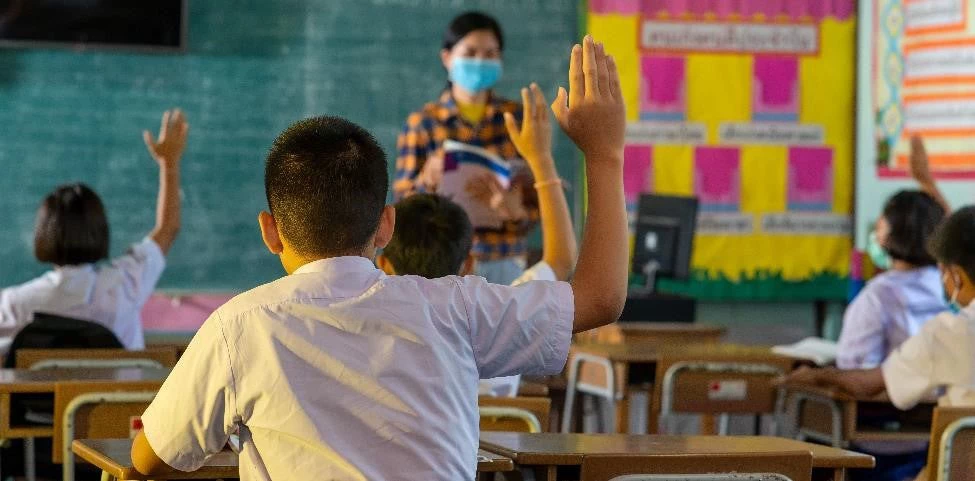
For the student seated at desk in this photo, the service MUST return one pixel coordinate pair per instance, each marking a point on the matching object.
(434, 235)
(942, 354)
(71, 233)
(338, 371)
(894, 305)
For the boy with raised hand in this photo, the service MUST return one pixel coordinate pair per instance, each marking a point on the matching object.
(340, 372)
(434, 235)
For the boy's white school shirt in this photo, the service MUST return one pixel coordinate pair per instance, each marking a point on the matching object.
(508, 386)
(111, 294)
(340, 372)
(941, 355)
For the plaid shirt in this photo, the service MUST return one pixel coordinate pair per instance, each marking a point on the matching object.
(423, 136)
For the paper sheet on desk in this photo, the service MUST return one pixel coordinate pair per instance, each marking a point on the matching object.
(463, 162)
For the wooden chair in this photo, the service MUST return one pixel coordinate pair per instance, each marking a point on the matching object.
(719, 387)
(787, 466)
(96, 410)
(518, 414)
(951, 455)
(160, 357)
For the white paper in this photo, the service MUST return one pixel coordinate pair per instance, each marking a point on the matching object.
(815, 349)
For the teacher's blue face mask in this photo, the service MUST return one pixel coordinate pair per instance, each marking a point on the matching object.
(475, 75)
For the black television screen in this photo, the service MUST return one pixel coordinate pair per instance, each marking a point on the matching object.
(158, 24)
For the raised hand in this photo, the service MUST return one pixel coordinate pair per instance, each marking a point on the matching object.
(592, 113)
(920, 167)
(533, 138)
(168, 148)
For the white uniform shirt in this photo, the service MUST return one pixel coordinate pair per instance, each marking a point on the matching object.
(340, 372)
(942, 354)
(111, 294)
(508, 386)
(890, 309)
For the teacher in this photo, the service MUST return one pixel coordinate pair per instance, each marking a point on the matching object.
(469, 112)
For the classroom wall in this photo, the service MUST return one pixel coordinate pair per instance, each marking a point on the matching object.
(252, 67)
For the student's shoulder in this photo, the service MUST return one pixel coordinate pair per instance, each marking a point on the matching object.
(284, 289)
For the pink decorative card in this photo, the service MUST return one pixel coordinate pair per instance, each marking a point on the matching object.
(663, 95)
(775, 89)
(717, 178)
(637, 172)
(810, 179)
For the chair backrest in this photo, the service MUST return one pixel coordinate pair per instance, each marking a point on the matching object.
(540, 407)
(951, 455)
(790, 466)
(508, 420)
(48, 331)
(99, 410)
(730, 382)
(164, 357)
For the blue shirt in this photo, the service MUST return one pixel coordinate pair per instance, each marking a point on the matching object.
(890, 309)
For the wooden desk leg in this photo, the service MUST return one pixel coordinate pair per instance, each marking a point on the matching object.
(709, 426)
(4, 415)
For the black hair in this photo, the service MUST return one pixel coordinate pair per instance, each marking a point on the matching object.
(326, 184)
(913, 216)
(468, 22)
(433, 238)
(71, 227)
(954, 241)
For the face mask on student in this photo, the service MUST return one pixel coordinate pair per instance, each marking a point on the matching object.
(951, 297)
(878, 255)
(475, 75)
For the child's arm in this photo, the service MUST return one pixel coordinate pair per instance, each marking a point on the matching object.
(595, 119)
(921, 171)
(534, 142)
(861, 383)
(167, 151)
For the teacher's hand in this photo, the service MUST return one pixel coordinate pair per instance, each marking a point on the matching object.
(509, 204)
(432, 173)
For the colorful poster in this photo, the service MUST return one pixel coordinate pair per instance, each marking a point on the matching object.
(747, 105)
(924, 79)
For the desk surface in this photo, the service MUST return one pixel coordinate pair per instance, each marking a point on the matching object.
(569, 449)
(113, 456)
(670, 328)
(638, 352)
(837, 394)
(22, 380)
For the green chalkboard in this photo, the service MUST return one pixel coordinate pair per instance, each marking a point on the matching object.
(251, 68)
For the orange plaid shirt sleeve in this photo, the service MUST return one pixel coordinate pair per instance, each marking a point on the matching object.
(423, 136)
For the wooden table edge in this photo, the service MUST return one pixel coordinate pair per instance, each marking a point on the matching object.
(100, 461)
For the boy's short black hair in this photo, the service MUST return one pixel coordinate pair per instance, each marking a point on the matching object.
(913, 216)
(326, 184)
(432, 239)
(71, 227)
(954, 241)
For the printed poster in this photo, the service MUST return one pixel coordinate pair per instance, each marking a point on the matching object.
(924, 84)
(748, 105)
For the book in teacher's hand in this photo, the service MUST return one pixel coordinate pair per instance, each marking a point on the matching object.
(464, 163)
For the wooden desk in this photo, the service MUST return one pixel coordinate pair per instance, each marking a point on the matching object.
(658, 333)
(559, 456)
(832, 416)
(614, 369)
(15, 382)
(113, 457)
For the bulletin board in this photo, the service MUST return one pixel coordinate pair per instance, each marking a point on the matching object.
(748, 105)
(924, 83)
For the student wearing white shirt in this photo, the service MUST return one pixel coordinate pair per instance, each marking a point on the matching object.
(338, 371)
(942, 354)
(434, 236)
(71, 233)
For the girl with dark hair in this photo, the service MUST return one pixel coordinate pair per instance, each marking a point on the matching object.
(469, 112)
(71, 234)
